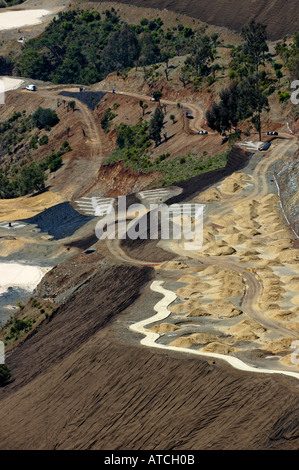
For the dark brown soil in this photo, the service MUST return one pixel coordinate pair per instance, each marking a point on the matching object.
(281, 16)
(79, 386)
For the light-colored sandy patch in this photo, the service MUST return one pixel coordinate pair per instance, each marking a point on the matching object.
(178, 308)
(188, 279)
(281, 315)
(290, 279)
(223, 308)
(288, 256)
(20, 18)
(163, 328)
(293, 287)
(247, 330)
(190, 291)
(229, 230)
(199, 312)
(8, 83)
(192, 340)
(214, 250)
(235, 183)
(295, 300)
(277, 235)
(210, 195)
(278, 345)
(8, 247)
(219, 348)
(25, 207)
(256, 244)
(248, 224)
(289, 361)
(173, 265)
(237, 239)
(19, 275)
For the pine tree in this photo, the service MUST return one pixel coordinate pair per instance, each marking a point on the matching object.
(156, 126)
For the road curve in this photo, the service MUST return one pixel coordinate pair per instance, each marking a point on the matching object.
(162, 312)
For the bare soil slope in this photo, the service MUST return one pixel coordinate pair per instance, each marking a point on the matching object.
(81, 383)
(280, 16)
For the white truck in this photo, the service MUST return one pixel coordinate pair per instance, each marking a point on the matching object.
(31, 87)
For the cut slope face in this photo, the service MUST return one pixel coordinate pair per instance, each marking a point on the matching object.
(80, 384)
(281, 16)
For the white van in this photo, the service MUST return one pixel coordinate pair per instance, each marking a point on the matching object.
(31, 87)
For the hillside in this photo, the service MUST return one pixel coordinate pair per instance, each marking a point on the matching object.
(120, 331)
(233, 14)
(83, 382)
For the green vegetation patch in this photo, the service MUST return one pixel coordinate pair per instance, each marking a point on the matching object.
(19, 135)
(132, 147)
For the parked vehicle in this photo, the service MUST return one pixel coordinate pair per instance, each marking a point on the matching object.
(190, 116)
(272, 133)
(202, 132)
(265, 146)
(31, 87)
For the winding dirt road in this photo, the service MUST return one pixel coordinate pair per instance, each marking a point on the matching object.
(259, 189)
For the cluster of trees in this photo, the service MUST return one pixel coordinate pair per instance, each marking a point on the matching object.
(16, 135)
(44, 117)
(247, 96)
(290, 56)
(83, 47)
(5, 375)
(30, 179)
(10, 3)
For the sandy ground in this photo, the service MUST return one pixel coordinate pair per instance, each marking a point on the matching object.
(8, 83)
(19, 275)
(27, 206)
(252, 234)
(214, 348)
(18, 19)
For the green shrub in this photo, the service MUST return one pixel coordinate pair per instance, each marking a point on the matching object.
(5, 375)
(43, 140)
(44, 117)
(283, 96)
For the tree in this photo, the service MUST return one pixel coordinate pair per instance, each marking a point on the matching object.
(226, 114)
(201, 56)
(214, 38)
(172, 117)
(34, 64)
(150, 52)
(5, 375)
(122, 51)
(156, 126)
(144, 107)
(252, 102)
(255, 47)
(72, 105)
(157, 95)
(255, 36)
(238, 102)
(215, 68)
(44, 117)
(32, 178)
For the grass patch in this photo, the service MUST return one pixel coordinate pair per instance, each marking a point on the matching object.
(132, 147)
